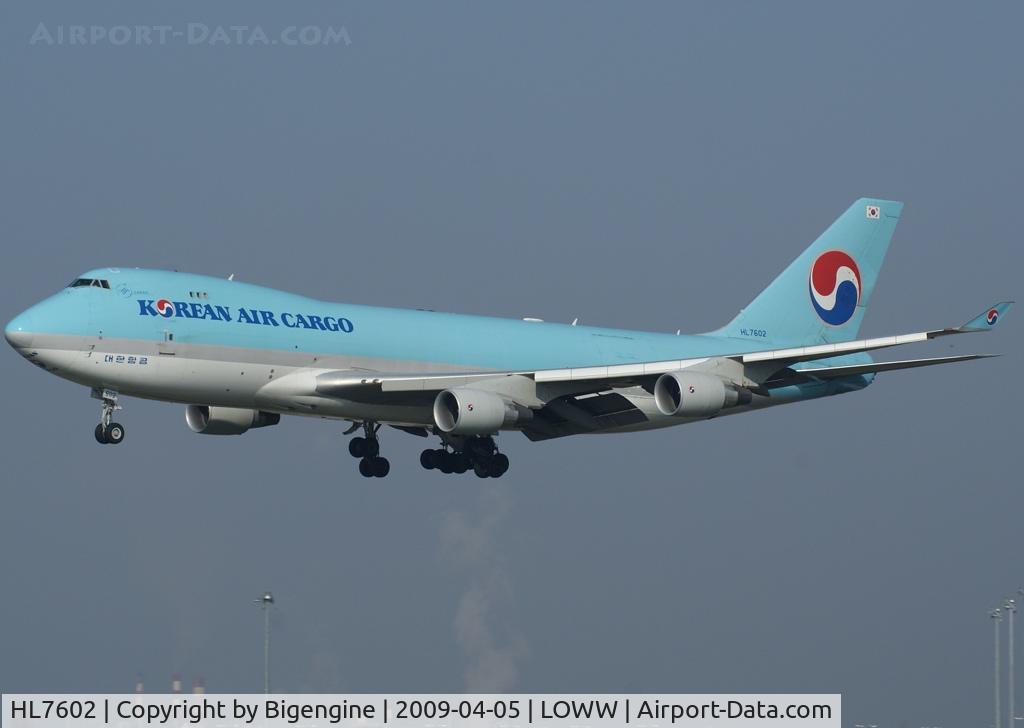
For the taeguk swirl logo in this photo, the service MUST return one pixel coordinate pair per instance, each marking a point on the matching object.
(165, 308)
(835, 287)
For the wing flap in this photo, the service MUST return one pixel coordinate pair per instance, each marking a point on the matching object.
(575, 415)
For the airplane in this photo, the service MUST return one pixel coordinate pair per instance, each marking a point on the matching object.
(240, 355)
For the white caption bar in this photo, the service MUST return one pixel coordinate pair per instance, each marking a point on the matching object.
(420, 711)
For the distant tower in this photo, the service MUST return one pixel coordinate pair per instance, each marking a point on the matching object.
(264, 603)
(139, 687)
(997, 617)
(1011, 693)
(176, 684)
(198, 687)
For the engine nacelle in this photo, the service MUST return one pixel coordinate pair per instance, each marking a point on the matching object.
(464, 411)
(226, 420)
(695, 394)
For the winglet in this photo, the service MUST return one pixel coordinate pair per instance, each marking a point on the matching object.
(988, 319)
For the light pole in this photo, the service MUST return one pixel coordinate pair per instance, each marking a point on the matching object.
(265, 603)
(997, 617)
(1011, 607)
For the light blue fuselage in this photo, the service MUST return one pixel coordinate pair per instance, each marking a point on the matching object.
(229, 330)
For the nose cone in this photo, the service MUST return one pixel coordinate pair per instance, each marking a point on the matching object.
(18, 331)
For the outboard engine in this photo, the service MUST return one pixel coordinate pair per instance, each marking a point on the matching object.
(696, 394)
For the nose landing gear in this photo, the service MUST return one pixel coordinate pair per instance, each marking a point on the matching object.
(108, 432)
(367, 449)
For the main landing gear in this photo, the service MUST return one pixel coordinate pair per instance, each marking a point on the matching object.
(367, 449)
(478, 454)
(108, 432)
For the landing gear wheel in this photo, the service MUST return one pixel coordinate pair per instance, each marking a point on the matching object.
(108, 432)
(481, 470)
(364, 447)
(498, 465)
(381, 467)
(428, 459)
(114, 432)
(460, 463)
(446, 463)
(366, 468)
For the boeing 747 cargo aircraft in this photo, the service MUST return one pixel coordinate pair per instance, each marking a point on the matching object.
(239, 356)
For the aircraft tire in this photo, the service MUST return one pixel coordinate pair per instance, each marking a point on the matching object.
(366, 468)
(355, 447)
(461, 463)
(381, 467)
(101, 437)
(481, 470)
(114, 433)
(428, 460)
(499, 465)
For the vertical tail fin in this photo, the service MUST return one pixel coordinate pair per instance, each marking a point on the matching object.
(823, 294)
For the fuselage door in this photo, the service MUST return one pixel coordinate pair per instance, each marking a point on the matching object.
(85, 302)
(166, 344)
(91, 335)
(166, 330)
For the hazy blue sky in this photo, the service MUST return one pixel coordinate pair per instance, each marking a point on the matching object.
(647, 166)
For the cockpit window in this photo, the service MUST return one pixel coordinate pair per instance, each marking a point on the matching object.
(87, 282)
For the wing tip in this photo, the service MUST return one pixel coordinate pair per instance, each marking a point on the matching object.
(988, 318)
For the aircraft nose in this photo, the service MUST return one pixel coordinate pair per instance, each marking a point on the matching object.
(18, 331)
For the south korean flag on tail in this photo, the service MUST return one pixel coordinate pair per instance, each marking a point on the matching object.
(874, 212)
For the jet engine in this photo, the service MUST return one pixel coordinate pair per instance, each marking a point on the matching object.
(226, 420)
(695, 394)
(464, 411)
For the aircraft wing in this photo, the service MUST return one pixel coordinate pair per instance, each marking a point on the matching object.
(772, 360)
(804, 374)
(982, 322)
(756, 369)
